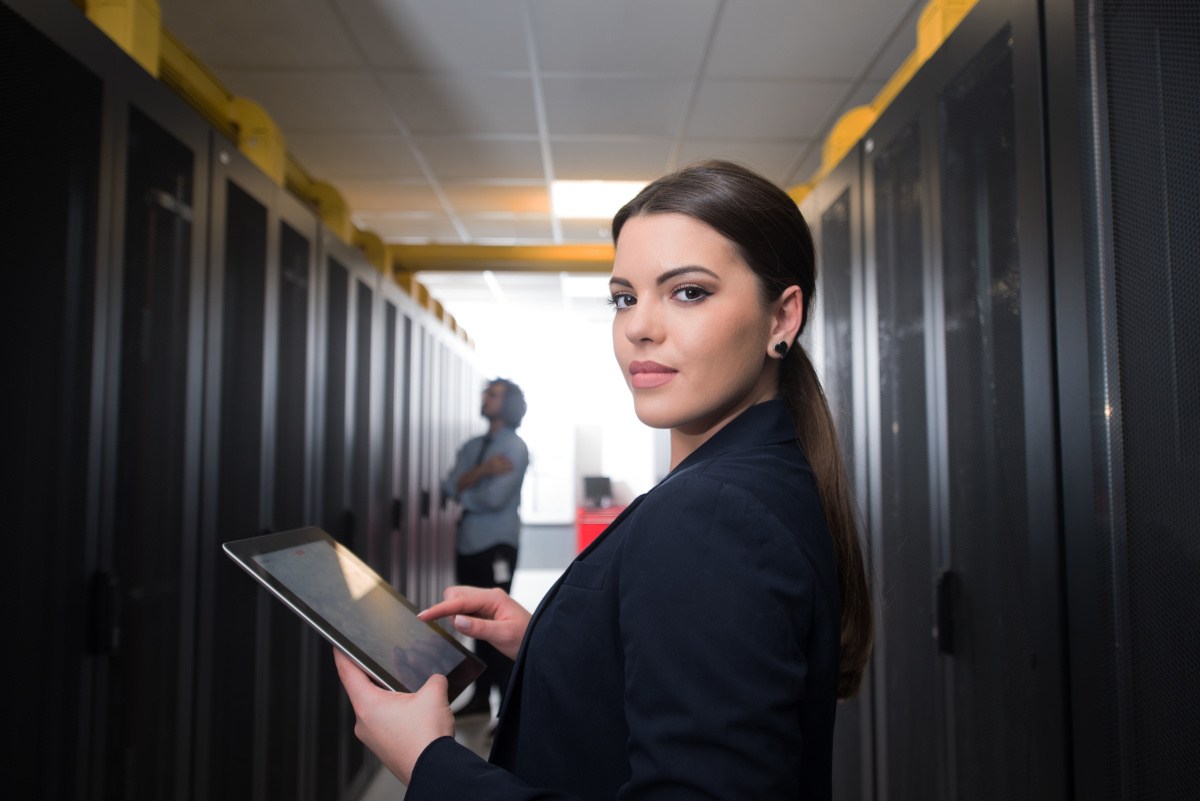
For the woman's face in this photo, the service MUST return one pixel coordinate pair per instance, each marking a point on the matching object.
(690, 333)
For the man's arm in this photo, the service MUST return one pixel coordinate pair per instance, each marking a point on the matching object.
(497, 491)
(497, 465)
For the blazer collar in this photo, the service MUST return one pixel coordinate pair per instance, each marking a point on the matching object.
(766, 423)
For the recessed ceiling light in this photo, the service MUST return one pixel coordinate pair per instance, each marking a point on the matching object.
(591, 200)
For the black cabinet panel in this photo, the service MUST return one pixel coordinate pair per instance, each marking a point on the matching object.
(909, 668)
(50, 135)
(291, 390)
(337, 287)
(1143, 295)
(839, 321)
(143, 695)
(994, 658)
(230, 711)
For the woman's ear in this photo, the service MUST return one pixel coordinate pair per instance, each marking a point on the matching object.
(785, 326)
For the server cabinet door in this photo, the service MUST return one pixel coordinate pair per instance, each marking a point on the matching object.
(145, 707)
(392, 494)
(346, 466)
(234, 612)
(413, 481)
(835, 214)
(289, 684)
(899, 354)
(59, 614)
(1131, 439)
(1002, 595)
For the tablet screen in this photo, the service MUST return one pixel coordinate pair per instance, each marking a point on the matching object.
(355, 609)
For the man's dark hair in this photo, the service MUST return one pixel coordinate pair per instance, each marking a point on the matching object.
(512, 409)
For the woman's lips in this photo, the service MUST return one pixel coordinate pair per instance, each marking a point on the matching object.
(648, 375)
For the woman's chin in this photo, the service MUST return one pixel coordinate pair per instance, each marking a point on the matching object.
(655, 413)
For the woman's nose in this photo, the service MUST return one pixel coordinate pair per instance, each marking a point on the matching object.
(642, 324)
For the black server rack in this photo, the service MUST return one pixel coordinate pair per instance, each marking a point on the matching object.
(1124, 94)
(958, 470)
(199, 360)
(54, 137)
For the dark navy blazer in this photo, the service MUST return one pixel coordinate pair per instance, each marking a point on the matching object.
(690, 652)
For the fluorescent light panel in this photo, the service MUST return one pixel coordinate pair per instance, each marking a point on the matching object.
(591, 200)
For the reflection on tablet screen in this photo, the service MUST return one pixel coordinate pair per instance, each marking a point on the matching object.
(352, 601)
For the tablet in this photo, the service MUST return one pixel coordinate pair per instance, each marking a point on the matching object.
(355, 609)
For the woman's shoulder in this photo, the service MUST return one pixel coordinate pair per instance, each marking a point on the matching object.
(761, 499)
(774, 479)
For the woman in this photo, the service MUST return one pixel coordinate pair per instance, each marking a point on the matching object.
(697, 648)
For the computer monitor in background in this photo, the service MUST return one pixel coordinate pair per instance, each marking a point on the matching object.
(597, 490)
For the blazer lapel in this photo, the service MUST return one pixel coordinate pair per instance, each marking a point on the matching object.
(514, 682)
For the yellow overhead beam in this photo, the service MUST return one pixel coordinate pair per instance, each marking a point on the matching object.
(132, 24)
(937, 21)
(509, 258)
(179, 69)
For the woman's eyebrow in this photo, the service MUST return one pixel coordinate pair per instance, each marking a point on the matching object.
(678, 271)
(668, 275)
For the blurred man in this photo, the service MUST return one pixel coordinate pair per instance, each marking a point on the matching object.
(486, 481)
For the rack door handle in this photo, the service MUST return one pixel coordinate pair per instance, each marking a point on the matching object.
(947, 586)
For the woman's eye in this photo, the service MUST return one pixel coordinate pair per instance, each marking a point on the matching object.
(691, 293)
(622, 300)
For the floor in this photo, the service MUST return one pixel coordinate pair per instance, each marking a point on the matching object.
(544, 552)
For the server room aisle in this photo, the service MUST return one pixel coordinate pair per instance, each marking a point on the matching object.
(544, 553)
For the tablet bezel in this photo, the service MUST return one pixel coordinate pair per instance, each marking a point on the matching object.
(243, 552)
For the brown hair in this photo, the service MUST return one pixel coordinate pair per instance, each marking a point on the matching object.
(771, 236)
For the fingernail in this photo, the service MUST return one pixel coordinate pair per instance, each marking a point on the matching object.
(462, 622)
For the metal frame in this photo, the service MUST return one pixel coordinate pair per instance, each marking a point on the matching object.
(126, 86)
(910, 107)
(848, 177)
(227, 165)
(1079, 175)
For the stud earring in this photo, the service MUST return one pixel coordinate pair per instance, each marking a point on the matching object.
(781, 348)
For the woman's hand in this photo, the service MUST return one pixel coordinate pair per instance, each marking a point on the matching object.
(397, 727)
(488, 615)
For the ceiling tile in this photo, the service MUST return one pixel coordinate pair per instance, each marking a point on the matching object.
(807, 166)
(409, 228)
(863, 95)
(639, 106)
(666, 36)
(780, 110)
(610, 160)
(349, 157)
(509, 229)
(315, 101)
(440, 35)
(451, 157)
(771, 159)
(904, 41)
(305, 34)
(809, 39)
(590, 231)
(463, 104)
(384, 196)
(467, 198)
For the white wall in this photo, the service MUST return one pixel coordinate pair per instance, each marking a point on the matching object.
(564, 362)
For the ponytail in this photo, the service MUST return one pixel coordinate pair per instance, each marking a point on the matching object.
(818, 437)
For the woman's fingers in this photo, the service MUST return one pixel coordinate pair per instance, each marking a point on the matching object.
(463, 601)
(489, 615)
(397, 727)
